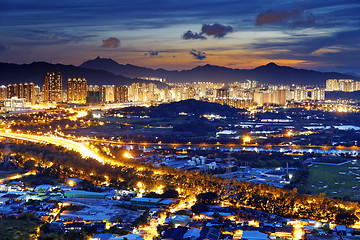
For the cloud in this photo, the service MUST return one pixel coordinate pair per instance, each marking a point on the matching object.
(216, 30)
(192, 35)
(198, 54)
(296, 17)
(328, 50)
(152, 53)
(111, 43)
(3, 48)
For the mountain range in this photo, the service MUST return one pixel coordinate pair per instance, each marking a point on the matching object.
(36, 72)
(268, 74)
(102, 71)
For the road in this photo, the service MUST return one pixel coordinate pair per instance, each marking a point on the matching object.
(81, 148)
(16, 176)
(228, 146)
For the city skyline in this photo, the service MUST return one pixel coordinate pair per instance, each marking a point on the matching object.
(303, 34)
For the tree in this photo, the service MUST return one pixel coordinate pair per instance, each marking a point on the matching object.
(208, 198)
(199, 207)
(118, 219)
(345, 218)
(171, 193)
(29, 165)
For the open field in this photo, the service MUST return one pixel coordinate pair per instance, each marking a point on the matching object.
(335, 181)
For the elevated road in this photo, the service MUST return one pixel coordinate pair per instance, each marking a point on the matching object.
(81, 148)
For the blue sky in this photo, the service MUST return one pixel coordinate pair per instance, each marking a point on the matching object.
(321, 35)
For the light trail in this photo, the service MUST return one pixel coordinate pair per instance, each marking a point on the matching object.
(17, 176)
(81, 148)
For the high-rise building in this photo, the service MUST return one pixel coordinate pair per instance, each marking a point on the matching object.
(53, 87)
(134, 92)
(121, 94)
(332, 85)
(222, 95)
(108, 93)
(37, 92)
(281, 97)
(3, 90)
(24, 91)
(76, 90)
(346, 85)
(317, 94)
(10, 90)
(29, 93)
(357, 86)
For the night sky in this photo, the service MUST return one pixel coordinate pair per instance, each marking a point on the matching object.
(172, 34)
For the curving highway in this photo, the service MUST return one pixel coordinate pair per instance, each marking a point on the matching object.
(81, 148)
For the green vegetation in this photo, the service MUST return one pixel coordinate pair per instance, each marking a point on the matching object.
(73, 207)
(334, 181)
(11, 229)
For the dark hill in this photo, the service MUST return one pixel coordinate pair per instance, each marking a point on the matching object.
(193, 108)
(334, 95)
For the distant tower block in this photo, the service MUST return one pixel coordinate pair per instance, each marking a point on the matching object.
(228, 190)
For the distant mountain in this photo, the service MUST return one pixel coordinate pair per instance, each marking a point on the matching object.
(35, 72)
(270, 73)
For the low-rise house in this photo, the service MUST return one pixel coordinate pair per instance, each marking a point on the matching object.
(210, 234)
(192, 234)
(105, 236)
(56, 226)
(175, 233)
(178, 220)
(145, 201)
(100, 226)
(254, 235)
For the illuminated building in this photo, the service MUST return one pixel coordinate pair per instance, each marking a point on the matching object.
(14, 104)
(300, 93)
(134, 92)
(222, 95)
(76, 90)
(121, 94)
(93, 88)
(332, 85)
(317, 94)
(3, 91)
(357, 86)
(272, 95)
(191, 93)
(108, 93)
(53, 87)
(280, 97)
(29, 93)
(166, 94)
(37, 92)
(11, 90)
(153, 79)
(24, 91)
(344, 85)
